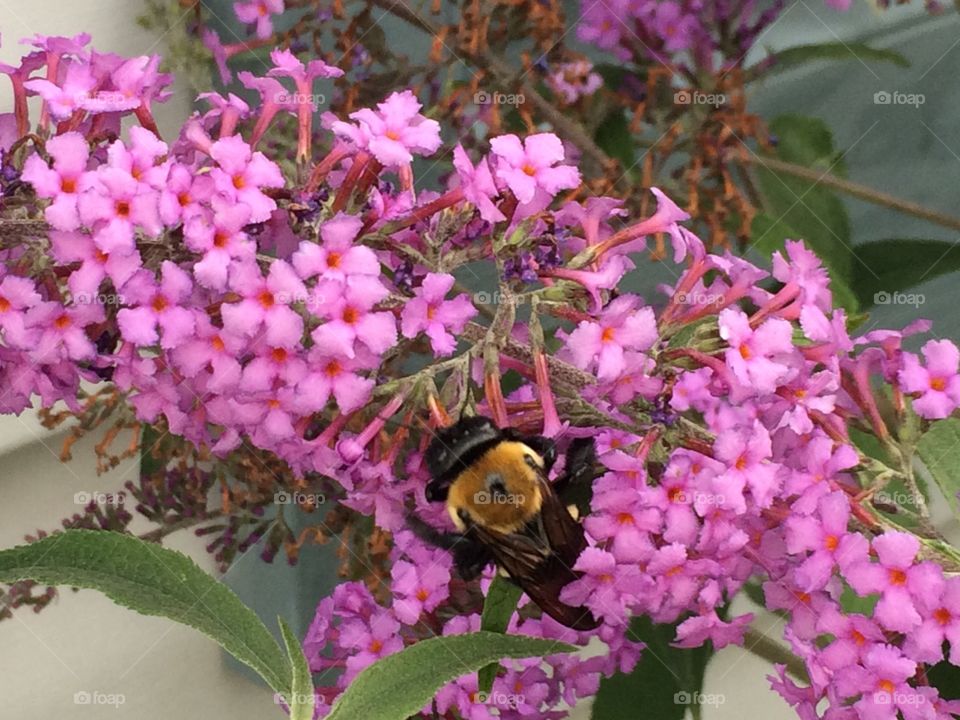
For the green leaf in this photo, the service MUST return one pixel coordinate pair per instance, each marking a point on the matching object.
(665, 682)
(151, 462)
(804, 140)
(836, 51)
(945, 677)
(498, 608)
(939, 450)
(886, 267)
(151, 580)
(613, 75)
(397, 686)
(300, 699)
(615, 138)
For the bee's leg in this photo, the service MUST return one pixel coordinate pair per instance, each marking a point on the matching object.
(545, 448)
(579, 465)
(436, 491)
(470, 558)
(429, 534)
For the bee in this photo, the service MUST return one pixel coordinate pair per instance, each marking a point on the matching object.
(495, 483)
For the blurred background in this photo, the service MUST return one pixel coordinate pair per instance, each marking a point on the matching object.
(85, 644)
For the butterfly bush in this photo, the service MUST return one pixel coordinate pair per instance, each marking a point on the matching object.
(300, 303)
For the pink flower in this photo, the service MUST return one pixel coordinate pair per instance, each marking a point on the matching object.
(160, 307)
(941, 623)
(95, 264)
(259, 12)
(606, 587)
(338, 257)
(70, 155)
(760, 359)
(622, 327)
(265, 307)
(63, 100)
(353, 321)
(532, 165)
(57, 332)
(826, 538)
(935, 383)
(17, 295)
(115, 206)
(881, 683)
(242, 173)
(213, 350)
(477, 184)
(221, 240)
(746, 452)
(394, 132)
(429, 312)
(899, 581)
(142, 158)
(419, 587)
(335, 376)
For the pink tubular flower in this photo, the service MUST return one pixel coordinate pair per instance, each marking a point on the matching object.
(352, 320)
(57, 332)
(65, 99)
(265, 307)
(221, 240)
(429, 312)
(531, 166)
(825, 536)
(759, 358)
(477, 185)
(115, 206)
(899, 581)
(335, 376)
(259, 12)
(622, 326)
(70, 154)
(338, 257)
(160, 306)
(941, 623)
(95, 264)
(935, 383)
(394, 131)
(241, 173)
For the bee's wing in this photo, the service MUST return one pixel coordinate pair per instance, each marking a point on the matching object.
(538, 568)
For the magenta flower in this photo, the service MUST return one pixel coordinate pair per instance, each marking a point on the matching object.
(220, 240)
(70, 154)
(418, 588)
(353, 321)
(941, 623)
(242, 173)
(440, 319)
(213, 350)
(606, 587)
(265, 307)
(95, 264)
(159, 312)
(184, 194)
(881, 683)
(935, 383)
(57, 333)
(531, 166)
(336, 376)
(900, 582)
(17, 295)
(826, 538)
(143, 158)
(259, 12)
(338, 257)
(115, 206)
(393, 132)
(477, 185)
(622, 326)
(761, 358)
(746, 453)
(63, 100)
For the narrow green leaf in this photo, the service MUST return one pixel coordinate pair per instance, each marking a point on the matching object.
(615, 138)
(881, 276)
(939, 451)
(300, 699)
(151, 580)
(397, 686)
(498, 608)
(804, 140)
(836, 51)
(665, 682)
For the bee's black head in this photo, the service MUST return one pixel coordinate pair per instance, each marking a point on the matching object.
(454, 447)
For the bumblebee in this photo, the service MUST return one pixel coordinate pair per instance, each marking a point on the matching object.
(496, 486)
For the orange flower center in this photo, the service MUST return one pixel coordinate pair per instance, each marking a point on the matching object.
(529, 170)
(333, 368)
(674, 571)
(858, 637)
(68, 185)
(100, 256)
(62, 322)
(159, 303)
(831, 542)
(741, 463)
(220, 239)
(393, 134)
(333, 260)
(938, 384)
(278, 355)
(376, 646)
(625, 518)
(886, 686)
(350, 315)
(273, 404)
(184, 199)
(675, 494)
(608, 334)
(265, 298)
(216, 342)
(897, 577)
(5, 304)
(745, 352)
(942, 616)
(239, 182)
(423, 594)
(123, 208)
(605, 578)
(431, 312)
